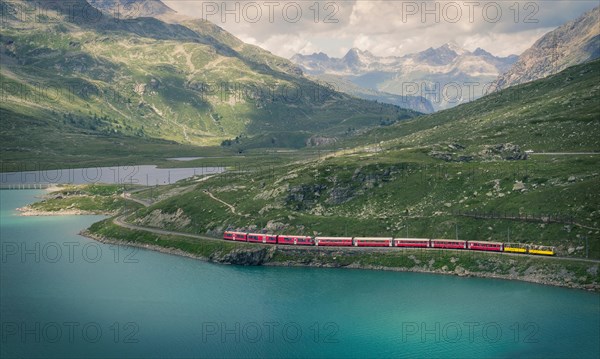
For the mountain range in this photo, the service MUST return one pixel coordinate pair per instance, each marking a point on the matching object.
(573, 43)
(445, 76)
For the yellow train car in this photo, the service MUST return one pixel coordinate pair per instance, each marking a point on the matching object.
(515, 248)
(542, 250)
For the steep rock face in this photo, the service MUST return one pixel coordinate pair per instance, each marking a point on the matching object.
(245, 257)
(573, 43)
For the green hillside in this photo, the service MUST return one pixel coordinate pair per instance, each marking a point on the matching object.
(460, 172)
(560, 113)
(141, 80)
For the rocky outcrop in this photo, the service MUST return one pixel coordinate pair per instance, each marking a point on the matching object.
(504, 151)
(159, 219)
(245, 257)
(316, 141)
(304, 196)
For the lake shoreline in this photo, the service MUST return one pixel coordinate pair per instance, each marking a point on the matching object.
(270, 256)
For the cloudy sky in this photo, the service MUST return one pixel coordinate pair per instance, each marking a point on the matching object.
(385, 27)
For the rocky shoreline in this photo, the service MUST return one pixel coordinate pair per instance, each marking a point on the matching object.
(271, 256)
(462, 273)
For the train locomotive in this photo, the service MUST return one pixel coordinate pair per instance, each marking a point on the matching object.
(296, 240)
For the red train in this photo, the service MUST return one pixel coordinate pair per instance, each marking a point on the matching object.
(384, 242)
(362, 241)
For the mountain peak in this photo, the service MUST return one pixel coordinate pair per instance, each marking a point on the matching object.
(316, 56)
(481, 52)
(321, 56)
(357, 51)
(353, 52)
(355, 56)
(453, 46)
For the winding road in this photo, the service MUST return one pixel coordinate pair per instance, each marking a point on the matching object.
(119, 221)
(231, 207)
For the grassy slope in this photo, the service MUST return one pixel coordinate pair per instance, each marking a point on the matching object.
(99, 199)
(557, 114)
(386, 188)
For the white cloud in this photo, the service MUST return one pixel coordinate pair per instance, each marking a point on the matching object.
(385, 27)
(289, 44)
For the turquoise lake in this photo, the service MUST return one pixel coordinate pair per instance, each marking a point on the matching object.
(65, 296)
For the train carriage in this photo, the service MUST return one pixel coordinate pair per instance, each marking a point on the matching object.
(448, 244)
(295, 240)
(235, 236)
(373, 242)
(334, 241)
(411, 242)
(515, 247)
(541, 250)
(262, 238)
(485, 246)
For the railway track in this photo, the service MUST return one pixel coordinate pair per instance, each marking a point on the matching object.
(120, 222)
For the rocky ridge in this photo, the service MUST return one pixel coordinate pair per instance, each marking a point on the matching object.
(573, 43)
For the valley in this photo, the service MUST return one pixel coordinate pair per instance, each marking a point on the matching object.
(350, 179)
(385, 185)
(157, 86)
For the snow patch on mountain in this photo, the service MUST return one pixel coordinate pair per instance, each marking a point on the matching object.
(428, 73)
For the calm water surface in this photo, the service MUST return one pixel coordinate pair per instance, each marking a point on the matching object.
(65, 296)
(143, 175)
